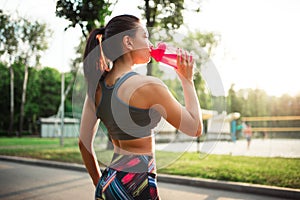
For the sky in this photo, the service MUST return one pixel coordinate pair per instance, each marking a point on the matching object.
(258, 48)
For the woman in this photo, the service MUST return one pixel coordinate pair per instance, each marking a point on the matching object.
(248, 134)
(130, 105)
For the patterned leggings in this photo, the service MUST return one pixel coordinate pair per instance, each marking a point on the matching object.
(129, 177)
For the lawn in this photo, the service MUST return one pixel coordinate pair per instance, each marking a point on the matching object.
(282, 172)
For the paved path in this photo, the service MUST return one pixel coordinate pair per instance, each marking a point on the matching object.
(259, 147)
(19, 181)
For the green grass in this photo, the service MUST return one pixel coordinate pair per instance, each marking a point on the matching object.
(282, 172)
(42, 148)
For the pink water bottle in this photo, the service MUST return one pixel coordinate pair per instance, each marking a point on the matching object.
(165, 53)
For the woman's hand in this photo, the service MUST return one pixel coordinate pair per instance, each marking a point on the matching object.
(185, 65)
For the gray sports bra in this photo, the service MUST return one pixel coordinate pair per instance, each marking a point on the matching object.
(124, 122)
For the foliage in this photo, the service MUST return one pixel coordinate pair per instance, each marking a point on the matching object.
(256, 102)
(43, 95)
(88, 14)
(21, 42)
(164, 14)
(5, 96)
(22, 38)
(34, 37)
(8, 38)
(50, 91)
(8, 46)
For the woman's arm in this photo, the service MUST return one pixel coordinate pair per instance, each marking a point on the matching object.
(185, 73)
(88, 129)
(152, 92)
(188, 118)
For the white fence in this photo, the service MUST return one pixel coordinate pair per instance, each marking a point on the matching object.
(51, 127)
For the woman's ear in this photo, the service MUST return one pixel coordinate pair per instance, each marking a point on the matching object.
(127, 42)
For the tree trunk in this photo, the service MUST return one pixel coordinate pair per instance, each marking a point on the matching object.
(149, 23)
(23, 100)
(11, 122)
(149, 68)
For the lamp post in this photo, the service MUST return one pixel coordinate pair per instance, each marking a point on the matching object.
(62, 99)
(62, 109)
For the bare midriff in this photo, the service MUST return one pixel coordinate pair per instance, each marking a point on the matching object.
(143, 146)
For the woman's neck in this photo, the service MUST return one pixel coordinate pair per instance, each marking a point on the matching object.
(121, 67)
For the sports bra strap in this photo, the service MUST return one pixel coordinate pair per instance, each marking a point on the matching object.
(124, 78)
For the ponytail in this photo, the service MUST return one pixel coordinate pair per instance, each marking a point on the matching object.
(92, 40)
(94, 64)
(102, 60)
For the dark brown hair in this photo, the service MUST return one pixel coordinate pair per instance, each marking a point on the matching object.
(110, 44)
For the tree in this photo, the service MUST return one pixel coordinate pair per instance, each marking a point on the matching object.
(5, 96)
(43, 94)
(23, 41)
(201, 46)
(163, 13)
(49, 91)
(88, 14)
(32, 106)
(8, 46)
(33, 37)
(233, 102)
(296, 105)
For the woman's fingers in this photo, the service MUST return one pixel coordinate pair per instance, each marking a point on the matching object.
(178, 57)
(191, 60)
(185, 64)
(184, 59)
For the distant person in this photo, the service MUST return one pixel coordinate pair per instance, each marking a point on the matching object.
(130, 105)
(248, 134)
(265, 134)
(233, 128)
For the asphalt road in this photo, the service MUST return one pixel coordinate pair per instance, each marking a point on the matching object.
(22, 181)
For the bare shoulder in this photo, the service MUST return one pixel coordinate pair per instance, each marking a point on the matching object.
(141, 91)
(144, 81)
(150, 88)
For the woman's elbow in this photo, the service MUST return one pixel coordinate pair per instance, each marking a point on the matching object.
(80, 145)
(195, 130)
(199, 130)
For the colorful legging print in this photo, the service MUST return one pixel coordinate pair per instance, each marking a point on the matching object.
(129, 177)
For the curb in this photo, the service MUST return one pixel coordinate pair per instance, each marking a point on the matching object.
(174, 179)
(271, 191)
(44, 163)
